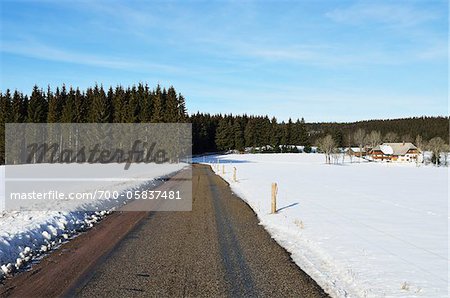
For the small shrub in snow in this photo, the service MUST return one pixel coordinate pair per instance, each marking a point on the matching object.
(299, 223)
(405, 286)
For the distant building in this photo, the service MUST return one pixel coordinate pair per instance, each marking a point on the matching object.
(398, 152)
(354, 151)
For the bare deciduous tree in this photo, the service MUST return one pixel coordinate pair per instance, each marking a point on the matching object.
(336, 154)
(445, 151)
(436, 145)
(374, 138)
(359, 138)
(391, 137)
(327, 145)
(420, 147)
(349, 139)
(406, 138)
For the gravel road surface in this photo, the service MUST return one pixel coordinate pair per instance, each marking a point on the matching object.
(217, 249)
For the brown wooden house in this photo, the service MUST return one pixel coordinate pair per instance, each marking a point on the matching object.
(398, 152)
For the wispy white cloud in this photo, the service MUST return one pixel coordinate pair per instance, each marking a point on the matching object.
(293, 53)
(45, 52)
(332, 54)
(217, 53)
(186, 30)
(437, 51)
(122, 13)
(393, 13)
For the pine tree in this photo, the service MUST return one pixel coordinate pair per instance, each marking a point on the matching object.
(238, 136)
(163, 104)
(37, 107)
(61, 101)
(284, 134)
(118, 105)
(68, 110)
(275, 137)
(18, 108)
(53, 111)
(171, 106)
(288, 132)
(109, 104)
(338, 138)
(99, 108)
(182, 111)
(264, 130)
(303, 138)
(144, 103)
(81, 107)
(131, 109)
(250, 134)
(157, 107)
(224, 135)
(5, 106)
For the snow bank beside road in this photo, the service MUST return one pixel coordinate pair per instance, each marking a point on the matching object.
(26, 235)
(361, 229)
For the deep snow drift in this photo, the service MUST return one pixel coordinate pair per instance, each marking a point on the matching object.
(27, 234)
(360, 229)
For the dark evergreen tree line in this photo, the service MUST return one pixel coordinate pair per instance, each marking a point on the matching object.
(405, 129)
(230, 132)
(136, 104)
(211, 133)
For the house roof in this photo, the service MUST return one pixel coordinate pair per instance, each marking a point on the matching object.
(394, 148)
(386, 149)
(356, 149)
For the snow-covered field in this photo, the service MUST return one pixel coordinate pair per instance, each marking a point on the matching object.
(361, 229)
(28, 234)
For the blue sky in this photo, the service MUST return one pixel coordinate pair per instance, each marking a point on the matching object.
(321, 60)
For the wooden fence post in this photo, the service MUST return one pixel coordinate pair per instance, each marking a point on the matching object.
(274, 197)
(234, 174)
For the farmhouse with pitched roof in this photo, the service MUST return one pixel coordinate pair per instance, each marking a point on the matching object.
(398, 152)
